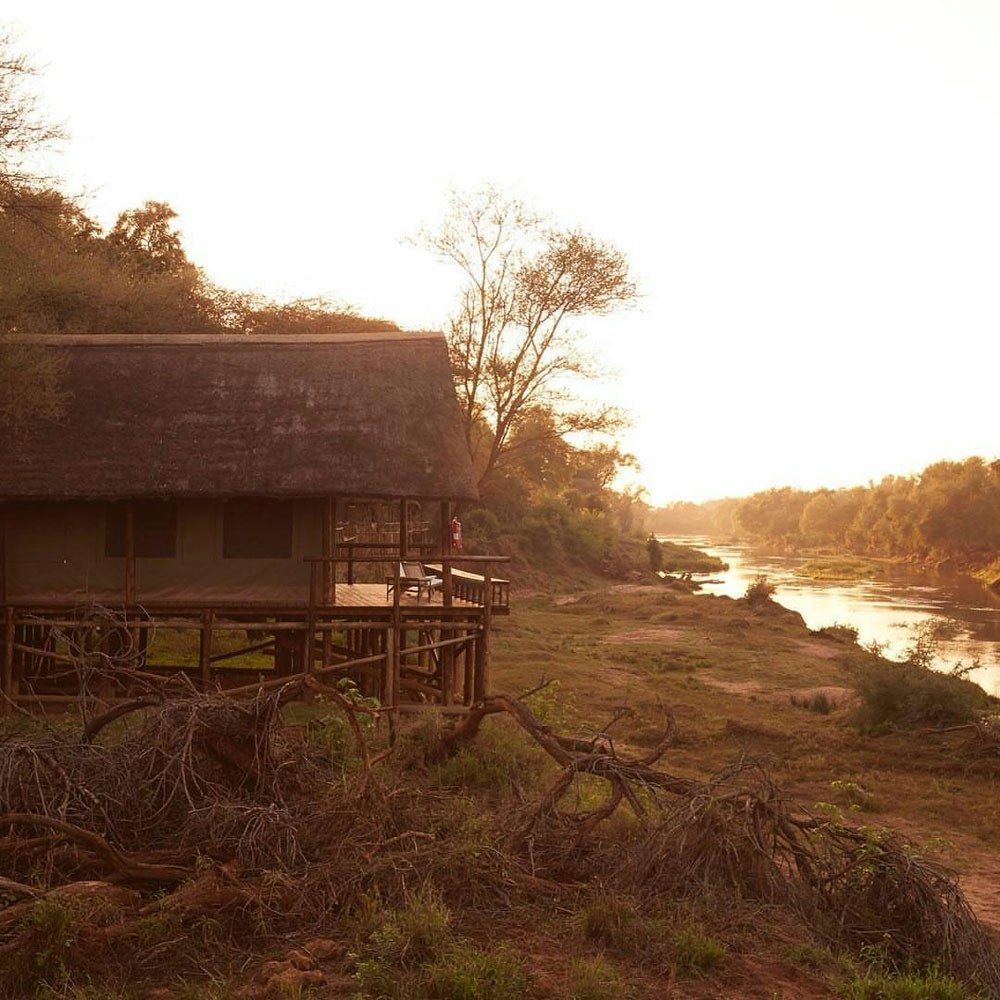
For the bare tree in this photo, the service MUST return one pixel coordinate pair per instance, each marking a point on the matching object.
(512, 349)
(29, 376)
(23, 129)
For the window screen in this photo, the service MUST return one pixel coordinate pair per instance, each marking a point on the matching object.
(257, 528)
(154, 528)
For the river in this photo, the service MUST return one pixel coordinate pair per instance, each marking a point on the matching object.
(888, 610)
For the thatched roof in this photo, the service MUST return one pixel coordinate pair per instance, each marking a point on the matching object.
(366, 415)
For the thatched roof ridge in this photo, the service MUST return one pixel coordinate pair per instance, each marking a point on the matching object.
(371, 414)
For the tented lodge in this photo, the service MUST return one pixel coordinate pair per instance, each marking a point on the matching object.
(240, 509)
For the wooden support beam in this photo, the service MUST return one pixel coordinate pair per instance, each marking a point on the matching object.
(329, 551)
(129, 553)
(471, 659)
(394, 640)
(448, 599)
(482, 684)
(8, 653)
(3, 554)
(404, 529)
(205, 646)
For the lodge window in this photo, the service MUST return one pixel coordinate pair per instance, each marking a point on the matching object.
(257, 528)
(154, 529)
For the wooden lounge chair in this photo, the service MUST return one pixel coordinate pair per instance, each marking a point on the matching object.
(413, 579)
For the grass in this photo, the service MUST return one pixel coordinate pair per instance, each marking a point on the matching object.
(413, 952)
(930, 985)
(180, 648)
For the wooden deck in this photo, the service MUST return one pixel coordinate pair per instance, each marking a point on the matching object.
(374, 595)
(408, 650)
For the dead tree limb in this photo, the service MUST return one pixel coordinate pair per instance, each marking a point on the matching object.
(123, 868)
(98, 722)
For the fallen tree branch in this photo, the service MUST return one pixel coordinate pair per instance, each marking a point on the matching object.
(123, 868)
(98, 722)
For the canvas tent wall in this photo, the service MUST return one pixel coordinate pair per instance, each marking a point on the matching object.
(68, 550)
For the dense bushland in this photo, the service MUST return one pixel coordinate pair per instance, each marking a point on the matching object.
(950, 512)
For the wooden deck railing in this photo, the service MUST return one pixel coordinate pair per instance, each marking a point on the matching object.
(483, 590)
(472, 587)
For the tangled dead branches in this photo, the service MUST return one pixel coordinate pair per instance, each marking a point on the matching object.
(201, 814)
(739, 835)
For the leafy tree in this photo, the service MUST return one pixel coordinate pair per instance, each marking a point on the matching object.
(828, 514)
(59, 274)
(513, 351)
(29, 376)
(144, 242)
(958, 507)
(30, 385)
(773, 514)
(248, 313)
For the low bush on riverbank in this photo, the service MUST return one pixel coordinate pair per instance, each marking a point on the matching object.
(674, 558)
(837, 568)
(907, 695)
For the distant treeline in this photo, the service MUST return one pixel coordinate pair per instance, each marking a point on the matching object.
(949, 512)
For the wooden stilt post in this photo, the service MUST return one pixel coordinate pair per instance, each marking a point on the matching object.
(404, 529)
(129, 553)
(329, 571)
(205, 647)
(329, 547)
(309, 637)
(8, 654)
(3, 555)
(471, 665)
(447, 598)
(444, 542)
(394, 641)
(482, 685)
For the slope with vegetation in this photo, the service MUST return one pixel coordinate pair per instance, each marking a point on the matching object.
(690, 797)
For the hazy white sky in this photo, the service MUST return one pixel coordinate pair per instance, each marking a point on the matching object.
(808, 191)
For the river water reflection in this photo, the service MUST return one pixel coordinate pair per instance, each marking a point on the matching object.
(888, 610)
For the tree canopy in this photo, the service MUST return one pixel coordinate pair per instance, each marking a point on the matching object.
(950, 511)
(514, 353)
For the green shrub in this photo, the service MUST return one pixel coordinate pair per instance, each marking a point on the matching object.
(617, 923)
(587, 538)
(931, 985)
(905, 695)
(54, 928)
(552, 706)
(759, 592)
(685, 559)
(818, 703)
(695, 953)
(851, 794)
(410, 934)
(499, 761)
(465, 972)
(610, 921)
(596, 979)
(481, 528)
(676, 658)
